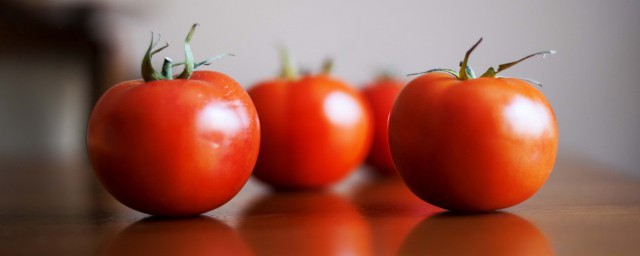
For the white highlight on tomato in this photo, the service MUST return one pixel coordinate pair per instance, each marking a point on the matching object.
(342, 109)
(223, 118)
(527, 117)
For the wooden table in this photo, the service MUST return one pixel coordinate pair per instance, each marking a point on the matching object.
(57, 208)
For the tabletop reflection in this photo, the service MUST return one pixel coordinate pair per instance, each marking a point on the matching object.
(496, 233)
(382, 196)
(195, 236)
(391, 210)
(305, 223)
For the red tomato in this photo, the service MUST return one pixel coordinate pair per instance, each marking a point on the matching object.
(380, 95)
(473, 144)
(315, 131)
(174, 147)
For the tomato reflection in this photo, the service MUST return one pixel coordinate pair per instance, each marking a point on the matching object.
(305, 223)
(495, 233)
(196, 236)
(391, 210)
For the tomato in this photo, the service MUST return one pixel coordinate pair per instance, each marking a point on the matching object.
(305, 223)
(380, 96)
(473, 144)
(495, 233)
(174, 147)
(315, 130)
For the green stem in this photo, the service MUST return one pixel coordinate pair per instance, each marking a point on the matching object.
(189, 66)
(206, 62)
(445, 70)
(327, 67)
(289, 70)
(147, 70)
(166, 68)
(385, 75)
(150, 74)
(465, 71)
(491, 72)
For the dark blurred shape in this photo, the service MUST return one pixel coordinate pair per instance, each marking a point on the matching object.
(195, 236)
(40, 28)
(54, 63)
(380, 95)
(305, 223)
(496, 233)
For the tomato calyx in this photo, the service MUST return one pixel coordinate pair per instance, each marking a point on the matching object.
(491, 72)
(327, 67)
(385, 75)
(467, 73)
(290, 72)
(150, 74)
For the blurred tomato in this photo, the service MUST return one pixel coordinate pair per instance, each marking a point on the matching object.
(315, 130)
(380, 95)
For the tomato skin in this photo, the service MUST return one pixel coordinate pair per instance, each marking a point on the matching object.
(475, 145)
(174, 147)
(380, 95)
(315, 131)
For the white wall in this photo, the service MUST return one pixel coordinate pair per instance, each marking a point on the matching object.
(592, 82)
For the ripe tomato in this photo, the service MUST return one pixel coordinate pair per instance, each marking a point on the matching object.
(315, 130)
(174, 147)
(380, 96)
(473, 144)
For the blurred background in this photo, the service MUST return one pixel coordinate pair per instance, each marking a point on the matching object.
(57, 56)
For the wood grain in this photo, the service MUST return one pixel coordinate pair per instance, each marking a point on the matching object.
(57, 208)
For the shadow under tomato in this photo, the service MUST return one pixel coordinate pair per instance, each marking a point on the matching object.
(193, 236)
(391, 211)
(495, 233)
(305, 223)
(382, 196)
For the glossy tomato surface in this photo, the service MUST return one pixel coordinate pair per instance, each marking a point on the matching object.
(315, 131)
(380, 95)
(472, 145)
(174, 147)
